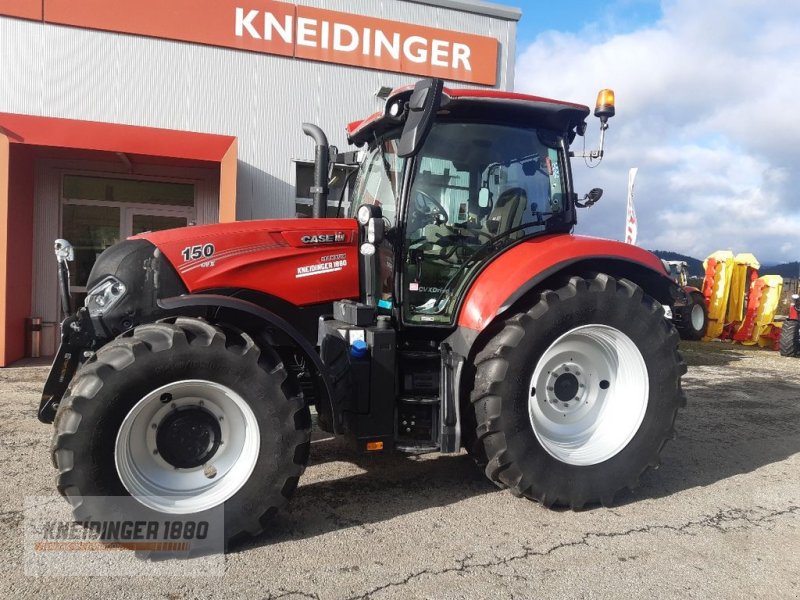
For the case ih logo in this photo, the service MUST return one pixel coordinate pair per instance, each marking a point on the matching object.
(323, 238)
(289, 30)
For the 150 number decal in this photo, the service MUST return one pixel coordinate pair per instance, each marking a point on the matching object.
(199, 251)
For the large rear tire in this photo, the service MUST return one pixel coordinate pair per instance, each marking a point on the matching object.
(576, 397)
(184, 417)
(789, 342)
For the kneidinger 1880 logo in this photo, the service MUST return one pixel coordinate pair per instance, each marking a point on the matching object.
(149, 536)
(118, 533)
(326, 264)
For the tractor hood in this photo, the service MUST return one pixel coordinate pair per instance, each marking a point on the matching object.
(301, 261)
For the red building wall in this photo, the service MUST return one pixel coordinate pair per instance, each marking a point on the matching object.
(19, 253)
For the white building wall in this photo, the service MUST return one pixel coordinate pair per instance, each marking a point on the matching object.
(60, 71)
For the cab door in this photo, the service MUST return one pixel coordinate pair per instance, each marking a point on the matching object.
(379, 184)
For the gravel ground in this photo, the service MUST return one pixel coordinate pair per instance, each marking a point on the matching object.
(720, 519)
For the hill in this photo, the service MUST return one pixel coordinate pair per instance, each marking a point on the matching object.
(786, 270)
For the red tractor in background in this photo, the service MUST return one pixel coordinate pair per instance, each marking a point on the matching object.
(689, 312)
(450, 307)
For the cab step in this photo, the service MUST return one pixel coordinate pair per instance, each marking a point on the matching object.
(419, 399)
(416, 448)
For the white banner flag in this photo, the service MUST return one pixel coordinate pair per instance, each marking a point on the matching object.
(630, 218)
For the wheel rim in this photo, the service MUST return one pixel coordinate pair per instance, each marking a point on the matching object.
(698, 319)
(187, 446)
(588, 395)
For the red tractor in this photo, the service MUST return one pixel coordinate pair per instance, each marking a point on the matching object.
(450, 308)
(689, 312)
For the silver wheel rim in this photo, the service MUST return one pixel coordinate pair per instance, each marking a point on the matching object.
(163, 487)
(698, 320)
(608, 375)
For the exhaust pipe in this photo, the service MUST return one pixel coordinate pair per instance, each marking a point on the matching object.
(319, 191)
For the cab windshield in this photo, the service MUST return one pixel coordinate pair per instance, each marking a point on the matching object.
(476, 189)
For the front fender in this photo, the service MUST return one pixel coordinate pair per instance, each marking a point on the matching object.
(524, 266)
(180, 304)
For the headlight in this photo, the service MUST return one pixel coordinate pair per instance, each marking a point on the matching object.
(102, 297)
(364, 214)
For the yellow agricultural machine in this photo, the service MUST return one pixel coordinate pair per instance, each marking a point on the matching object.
(741, 304)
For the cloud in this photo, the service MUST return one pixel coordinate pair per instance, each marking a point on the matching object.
(705, 109)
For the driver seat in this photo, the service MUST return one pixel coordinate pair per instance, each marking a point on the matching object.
(508, 211)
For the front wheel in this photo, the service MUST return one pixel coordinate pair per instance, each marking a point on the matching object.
(185, 417)
(576, 397)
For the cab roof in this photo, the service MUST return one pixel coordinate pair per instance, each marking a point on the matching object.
(476, 105)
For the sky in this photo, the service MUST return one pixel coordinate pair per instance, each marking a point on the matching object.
(706, 98)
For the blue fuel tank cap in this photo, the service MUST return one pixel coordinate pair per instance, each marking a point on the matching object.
(358, 349)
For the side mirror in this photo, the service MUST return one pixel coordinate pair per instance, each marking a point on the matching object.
(483, 198)
(425, 100)
(594, 194)
(591, 198)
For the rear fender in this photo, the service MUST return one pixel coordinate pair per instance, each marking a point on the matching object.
(253, 317)
(512, 281)
(519, 272)
(690, 289)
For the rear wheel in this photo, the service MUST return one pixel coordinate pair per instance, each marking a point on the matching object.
(184, 417)
(695, 318)
(789, 343)
(575, 398)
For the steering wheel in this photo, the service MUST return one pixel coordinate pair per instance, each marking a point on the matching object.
(427, 210)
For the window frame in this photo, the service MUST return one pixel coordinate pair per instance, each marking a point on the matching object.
(411, 167)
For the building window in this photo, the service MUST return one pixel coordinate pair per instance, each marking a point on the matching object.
(339, 183)
(98, 212)
(109, 189)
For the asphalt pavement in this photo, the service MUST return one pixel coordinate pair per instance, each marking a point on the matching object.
(719, 519)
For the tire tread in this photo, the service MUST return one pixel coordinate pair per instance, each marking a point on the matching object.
(119, 354)
(492, 368)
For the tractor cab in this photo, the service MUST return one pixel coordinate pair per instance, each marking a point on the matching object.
(449, 181)
(456, 177)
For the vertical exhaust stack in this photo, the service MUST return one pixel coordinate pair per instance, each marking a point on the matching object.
(319, 191)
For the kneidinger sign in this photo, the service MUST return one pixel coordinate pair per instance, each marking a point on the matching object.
(290, 30)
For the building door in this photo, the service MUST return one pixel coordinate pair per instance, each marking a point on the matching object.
(98, 212)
